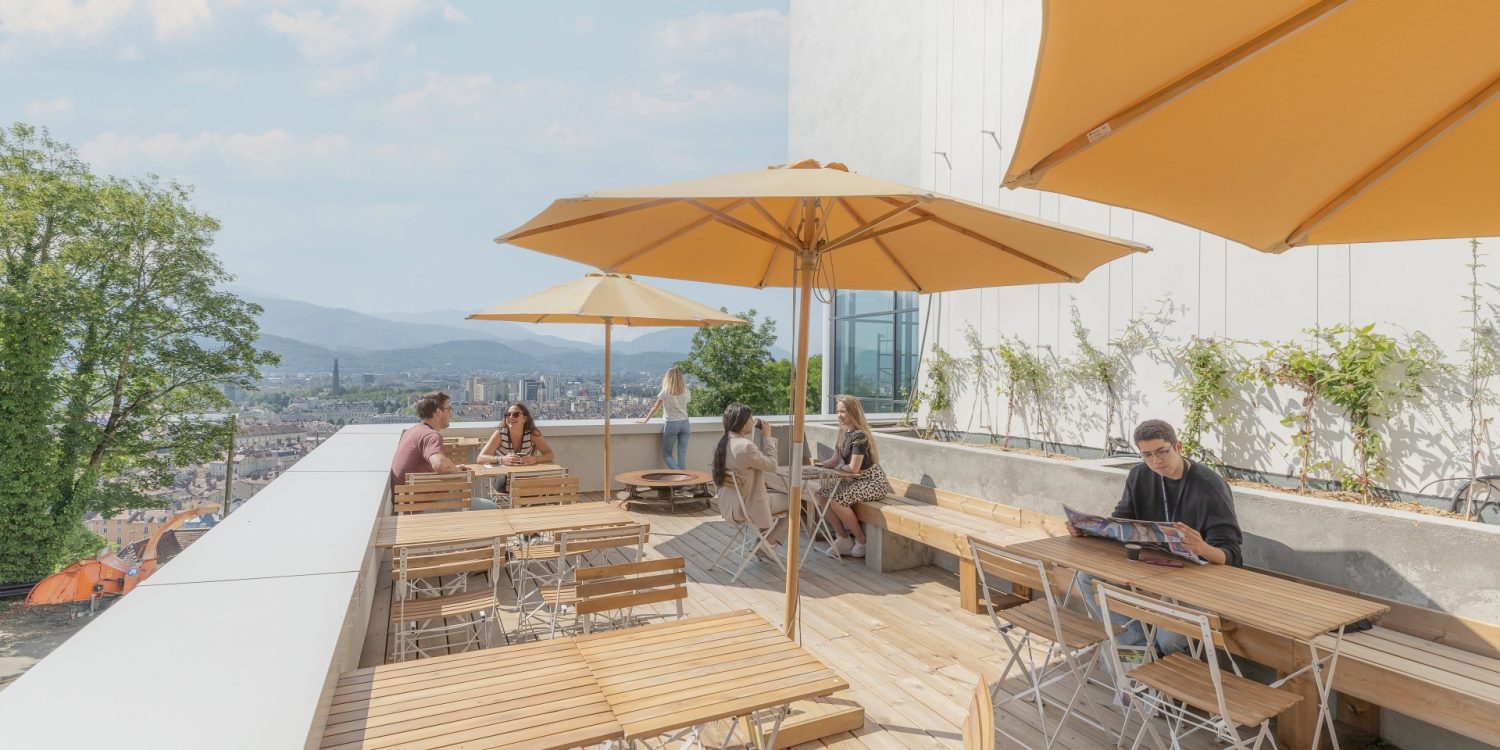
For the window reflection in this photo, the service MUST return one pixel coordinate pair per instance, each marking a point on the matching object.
(874, 348)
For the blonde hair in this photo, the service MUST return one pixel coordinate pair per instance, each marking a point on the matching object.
(856, 412)
(672, 382)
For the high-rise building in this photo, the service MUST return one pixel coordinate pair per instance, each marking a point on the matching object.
(529, 389)
(336, 389)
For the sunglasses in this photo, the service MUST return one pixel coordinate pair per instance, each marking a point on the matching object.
(515, 414)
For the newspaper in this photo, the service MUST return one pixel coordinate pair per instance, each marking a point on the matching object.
(1156, 535)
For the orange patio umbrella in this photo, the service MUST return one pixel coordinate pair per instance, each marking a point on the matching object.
(609, 299)
(1274, 123)
(787, 226)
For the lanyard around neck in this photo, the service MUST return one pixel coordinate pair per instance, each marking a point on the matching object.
(1181, 488)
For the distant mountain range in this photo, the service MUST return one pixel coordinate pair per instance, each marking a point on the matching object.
(308, 337)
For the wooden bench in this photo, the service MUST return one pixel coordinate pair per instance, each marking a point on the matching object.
(1433, 666)
(944, 521)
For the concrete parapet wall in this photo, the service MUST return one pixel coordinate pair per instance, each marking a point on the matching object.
(1427, 561)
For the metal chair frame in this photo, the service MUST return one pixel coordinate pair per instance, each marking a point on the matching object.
(461, 559)
(748, 539)
(1077, 664)
(555, 574)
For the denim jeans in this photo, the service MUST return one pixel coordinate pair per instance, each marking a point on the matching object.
(1167, 642)
(675, 437)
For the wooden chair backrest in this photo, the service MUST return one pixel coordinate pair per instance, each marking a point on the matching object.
(529, 491)
(1179, 620)
(991, 560)
(581, 541)
(979, 725)
(605, 588)
(432, 493)
(412, 563)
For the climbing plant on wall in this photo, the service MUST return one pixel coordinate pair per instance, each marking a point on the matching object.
(1026, 379)
(1206, 375)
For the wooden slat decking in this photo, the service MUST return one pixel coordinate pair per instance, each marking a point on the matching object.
(909, 653)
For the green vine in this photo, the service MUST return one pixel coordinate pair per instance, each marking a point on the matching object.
(1027, 379)
(1107, 372)
(943, 373)
(1208, 368)
(1369, 376)
(1481, 364)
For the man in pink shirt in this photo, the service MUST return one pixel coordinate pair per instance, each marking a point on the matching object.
(421, 447)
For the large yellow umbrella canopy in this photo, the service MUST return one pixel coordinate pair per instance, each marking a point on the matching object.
(784, 226)
(1274, 123)
(608, 299)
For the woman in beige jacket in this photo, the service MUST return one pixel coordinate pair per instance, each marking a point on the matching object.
(750, 456)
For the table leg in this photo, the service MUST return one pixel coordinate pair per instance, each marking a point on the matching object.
(1323, 678)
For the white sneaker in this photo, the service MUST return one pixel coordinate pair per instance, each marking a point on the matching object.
(856, 550)
(843, 545)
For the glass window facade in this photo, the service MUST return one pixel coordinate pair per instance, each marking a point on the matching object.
(874, 349)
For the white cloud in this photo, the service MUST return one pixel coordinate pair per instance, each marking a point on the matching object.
(750, 36)
(355, 25)
(326, 81)
(178, 18)
(213, 78)
(442, 93)
(49, 109)
(271, 154)
(60, 20)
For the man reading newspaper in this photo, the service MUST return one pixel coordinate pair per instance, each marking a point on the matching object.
(1167, 487)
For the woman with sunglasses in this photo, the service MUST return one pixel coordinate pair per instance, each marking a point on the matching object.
(517, 441)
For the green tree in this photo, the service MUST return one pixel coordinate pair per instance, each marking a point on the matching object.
(781, 370)
(136, 342)
(733, 363)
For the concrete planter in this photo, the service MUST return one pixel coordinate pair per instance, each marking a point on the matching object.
(1427, 561)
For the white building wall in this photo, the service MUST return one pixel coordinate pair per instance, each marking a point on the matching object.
(912, 92)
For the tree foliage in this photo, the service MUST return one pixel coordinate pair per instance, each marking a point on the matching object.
(114, 343)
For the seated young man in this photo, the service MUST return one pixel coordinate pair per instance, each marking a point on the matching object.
(1169, 487)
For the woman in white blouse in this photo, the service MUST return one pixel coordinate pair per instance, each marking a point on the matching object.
(673, 400)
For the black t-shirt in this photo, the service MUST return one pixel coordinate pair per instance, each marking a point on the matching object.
(1201, 499)
(856, 444)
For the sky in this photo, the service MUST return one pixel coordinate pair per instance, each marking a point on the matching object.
(364, 153)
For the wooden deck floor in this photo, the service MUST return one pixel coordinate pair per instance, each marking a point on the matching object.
(910, 655)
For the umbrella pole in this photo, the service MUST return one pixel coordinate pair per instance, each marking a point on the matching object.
(609, 326)
(799, 417)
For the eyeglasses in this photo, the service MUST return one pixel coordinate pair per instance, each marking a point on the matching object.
(515, 414)
(1158, 454)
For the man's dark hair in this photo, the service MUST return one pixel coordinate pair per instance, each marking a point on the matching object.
(429, 403)
(1155, 429)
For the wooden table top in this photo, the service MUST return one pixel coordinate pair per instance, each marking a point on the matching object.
(671, 675)
(476, 525)
(1286, 608)
(537, 696)
(443, 528)
(500, 470)
(1101, 558)
(543, 519)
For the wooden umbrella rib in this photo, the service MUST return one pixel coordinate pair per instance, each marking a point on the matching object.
(1450, 122)
(886, 249)
(1177, 89)
(765, 275)
(656, 244)
(512, 237)
(864, 228)
(780, 226)
(883, 232)
(724, 218)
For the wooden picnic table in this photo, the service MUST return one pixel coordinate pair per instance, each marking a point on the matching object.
(668, 676)
(476, 525)
(500, 470)
(538, 696)
(1101, 558)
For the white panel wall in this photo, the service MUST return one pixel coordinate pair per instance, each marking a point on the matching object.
(893, 87)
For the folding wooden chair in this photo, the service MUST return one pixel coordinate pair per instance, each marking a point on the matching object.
(530, 490)
(430, 493)
(458, 454)
(979, 725)
(502, 497)
(747, 538)
(622, 588)
(1072, 638)
(1191, 695)
(425, 625)
(547, 580)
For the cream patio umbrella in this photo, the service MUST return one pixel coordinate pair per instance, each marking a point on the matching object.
(786, 226)
(610, 299)
(1275, 123)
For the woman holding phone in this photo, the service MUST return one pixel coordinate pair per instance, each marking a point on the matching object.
(747, 451)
